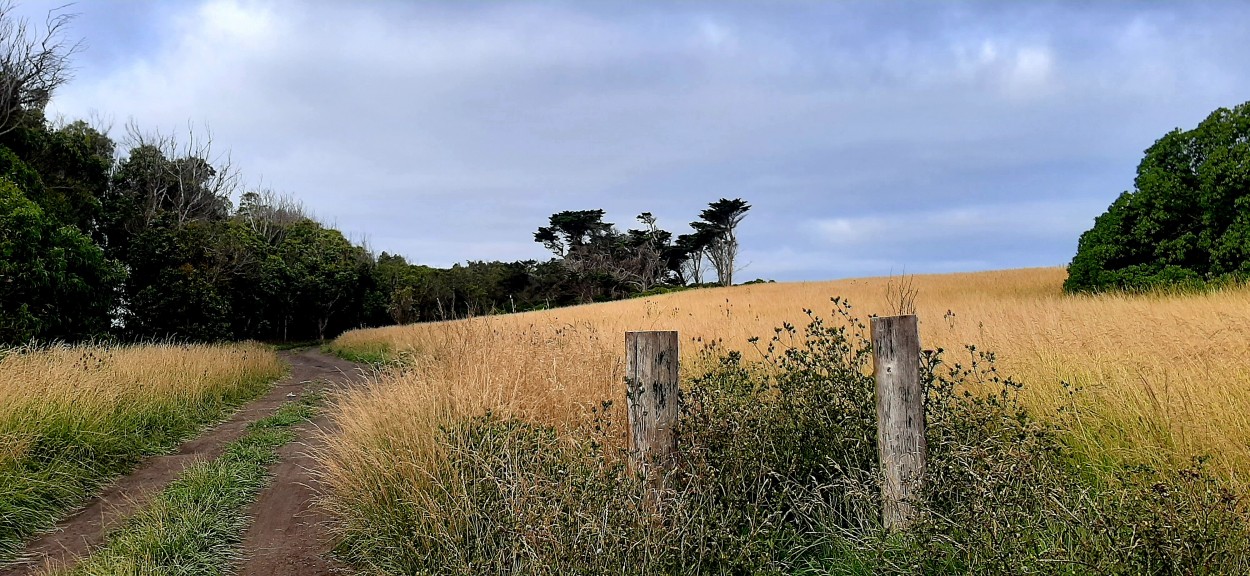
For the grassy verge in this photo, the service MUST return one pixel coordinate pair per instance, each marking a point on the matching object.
(73, 417)
(283, 346)
(196, 525)
(375, 354)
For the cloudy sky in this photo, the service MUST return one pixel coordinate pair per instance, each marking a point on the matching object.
(869, 138)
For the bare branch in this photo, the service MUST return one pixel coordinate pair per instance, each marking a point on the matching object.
(185, 180)
(269, 213)
(33, 63)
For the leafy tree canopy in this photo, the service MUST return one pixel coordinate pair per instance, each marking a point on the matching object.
(1186, 222)
(572, 229)
(54, 281)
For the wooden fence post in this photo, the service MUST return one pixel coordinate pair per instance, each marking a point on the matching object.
(901, 444)
(652, 398)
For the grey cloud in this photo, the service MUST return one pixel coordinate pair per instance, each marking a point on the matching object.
(450, 131)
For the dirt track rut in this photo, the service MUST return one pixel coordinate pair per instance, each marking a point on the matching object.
(288, 535)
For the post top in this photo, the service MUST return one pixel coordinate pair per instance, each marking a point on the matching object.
(893, 318)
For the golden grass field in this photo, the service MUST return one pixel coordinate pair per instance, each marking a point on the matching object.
(1158, 378)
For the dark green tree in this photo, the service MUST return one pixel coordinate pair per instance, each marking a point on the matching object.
(1186, 222)
(55, 283)
(322, 273)
(162, 183)
(179, 283)
(572, 229)
(66, 168)
(643, 262)
(688, 255)
(165, 216)
(394, 279)
(584, 245)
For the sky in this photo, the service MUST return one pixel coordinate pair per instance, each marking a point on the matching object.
(870, 138)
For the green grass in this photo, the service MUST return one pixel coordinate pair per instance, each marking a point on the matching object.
(195, 526)
(299, 345)
(376, 355)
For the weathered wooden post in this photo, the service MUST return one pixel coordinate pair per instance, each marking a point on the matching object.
(901, 444)
(651, 399)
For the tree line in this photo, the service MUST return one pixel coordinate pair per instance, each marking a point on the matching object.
(144, 239)
(592, 261)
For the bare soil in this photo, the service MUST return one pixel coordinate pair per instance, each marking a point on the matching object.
(288, 536)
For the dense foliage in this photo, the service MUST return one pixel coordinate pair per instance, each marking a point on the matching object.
(1188, 219)
(149, 246)
(55, 282)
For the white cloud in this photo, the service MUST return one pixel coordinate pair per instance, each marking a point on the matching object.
(1017, 70)
(1031, 70)
(230, 21)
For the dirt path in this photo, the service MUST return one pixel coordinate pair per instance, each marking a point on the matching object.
(288, 534)
(77, 535)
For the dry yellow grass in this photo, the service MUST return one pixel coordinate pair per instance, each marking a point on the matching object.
(94, 384)
(1160, 377)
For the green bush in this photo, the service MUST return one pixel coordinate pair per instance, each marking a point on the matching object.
(54, 281)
